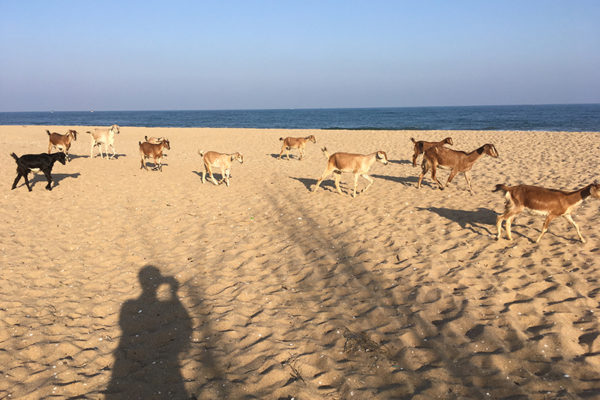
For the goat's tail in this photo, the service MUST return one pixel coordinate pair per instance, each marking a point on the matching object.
(15, 157)
(413, 140)
(500, 187)
(281, 138)
(324, 150)
(48, 132)
(201, 152)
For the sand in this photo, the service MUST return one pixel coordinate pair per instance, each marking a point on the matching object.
(125, 283)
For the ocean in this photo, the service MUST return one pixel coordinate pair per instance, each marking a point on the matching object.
(568, 117)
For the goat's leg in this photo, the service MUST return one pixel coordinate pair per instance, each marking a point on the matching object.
(19, 175)
(323, 176)
(92, 150)
(424, 169)
(355, 185)
(226, 176)
(112, 146)
(368, 178)
(281, 152)
(415, 155)
(210, 175)
(337, 178)
(570, 219)
(49, 178)
(451, 176)
(301, 153)
(49, 147)
(549, 218)
(468, 178)
(435, 179)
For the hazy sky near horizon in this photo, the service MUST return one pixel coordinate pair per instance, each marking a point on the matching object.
(244, 54)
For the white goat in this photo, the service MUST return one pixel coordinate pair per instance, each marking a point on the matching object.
(358, 164)
(103, 136)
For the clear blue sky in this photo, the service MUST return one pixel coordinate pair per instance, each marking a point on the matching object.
(159, 55)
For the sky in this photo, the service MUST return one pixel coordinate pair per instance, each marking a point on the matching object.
(251, 54)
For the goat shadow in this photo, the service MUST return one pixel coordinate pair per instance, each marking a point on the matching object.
(40, 177)
(309, 183)
(152, 166)
(479, 218)
(284, 157)
(75, 156)
(406, 181)
(400, 162)
(116, 156)
(217, 175)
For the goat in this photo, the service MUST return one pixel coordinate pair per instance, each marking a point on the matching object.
(37, 162)
(422, 146)
(213, 159)
(103, 136)
(155, 151)
(358, 164)
(295, 143)
(553, 203)
(60, 141)
(457, 161)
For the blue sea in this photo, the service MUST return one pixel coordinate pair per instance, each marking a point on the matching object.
(569, 117)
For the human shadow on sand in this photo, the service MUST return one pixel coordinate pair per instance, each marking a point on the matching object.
(154, 334)
(475, 220)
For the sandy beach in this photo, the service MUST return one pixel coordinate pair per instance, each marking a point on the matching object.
(124, 283)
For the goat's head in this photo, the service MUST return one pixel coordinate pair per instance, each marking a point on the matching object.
(60, 157)
(490, 150)
(166, 143)
(73, 133)
(312, 139)
(381, 157)
(237, 156)
(448, 140)
(595, 190)
(115, 128)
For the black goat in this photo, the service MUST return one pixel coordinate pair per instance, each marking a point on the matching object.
(43, 162)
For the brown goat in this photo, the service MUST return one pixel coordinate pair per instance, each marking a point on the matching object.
(155, 151)
(358, 164)
(295, 143)
(221, 160)
(60, 141)
(422, 146)
(457, 161)
(553, 203)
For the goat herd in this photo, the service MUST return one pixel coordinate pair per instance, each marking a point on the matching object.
(553, 203)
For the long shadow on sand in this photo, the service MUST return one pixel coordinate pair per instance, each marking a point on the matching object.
(476, 220)
(56, 179)
(309, 183)
(320, 283)
(154, 333)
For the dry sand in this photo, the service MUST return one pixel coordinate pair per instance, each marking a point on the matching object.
(125, 283)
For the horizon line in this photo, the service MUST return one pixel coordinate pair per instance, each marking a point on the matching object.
(305, 108)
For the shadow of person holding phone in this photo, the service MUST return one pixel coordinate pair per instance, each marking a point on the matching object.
(155, 332)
